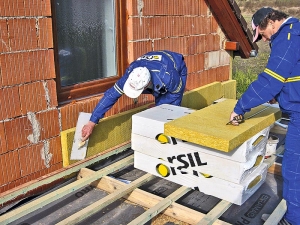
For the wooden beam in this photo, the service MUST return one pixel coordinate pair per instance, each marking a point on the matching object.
(61, 173)
(226, 17)
(277, 214)
(215, 213)
(159, 207)
(275, 169)
(51, 197)
(149, 200)
(100, 204)
(231, 46)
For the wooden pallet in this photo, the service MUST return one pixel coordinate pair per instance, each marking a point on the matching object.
(131, 192)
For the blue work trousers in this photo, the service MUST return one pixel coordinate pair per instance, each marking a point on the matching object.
(291, 170)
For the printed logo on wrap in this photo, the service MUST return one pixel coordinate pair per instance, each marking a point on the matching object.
(151, 57)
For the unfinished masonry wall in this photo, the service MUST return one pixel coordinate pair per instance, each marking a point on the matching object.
(31, 119)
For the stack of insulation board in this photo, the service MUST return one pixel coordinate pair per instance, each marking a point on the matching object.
(233, 176)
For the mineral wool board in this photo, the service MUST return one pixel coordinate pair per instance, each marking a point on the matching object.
(232, 192)
(150, 123)
(207, 126)
(182, 157)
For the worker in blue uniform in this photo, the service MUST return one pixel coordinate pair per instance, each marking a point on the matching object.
(160, 73)
(280, 80)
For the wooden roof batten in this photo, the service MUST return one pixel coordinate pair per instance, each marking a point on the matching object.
(233, 24)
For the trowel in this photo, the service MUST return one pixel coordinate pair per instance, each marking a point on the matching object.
(79, 147)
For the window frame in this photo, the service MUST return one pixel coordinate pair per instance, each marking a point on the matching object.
(89, 88)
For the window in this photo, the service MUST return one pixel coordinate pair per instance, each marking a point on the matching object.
(88, 33)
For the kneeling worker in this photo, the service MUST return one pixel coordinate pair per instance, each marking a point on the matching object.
(160, 73)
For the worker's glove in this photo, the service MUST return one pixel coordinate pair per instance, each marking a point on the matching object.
(239, 119)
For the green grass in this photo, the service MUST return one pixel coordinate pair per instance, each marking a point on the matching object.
(244, 71)
(244, 79)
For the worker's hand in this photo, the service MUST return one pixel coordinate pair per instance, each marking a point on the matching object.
(87, 130)
(272, 101)
(236, 119)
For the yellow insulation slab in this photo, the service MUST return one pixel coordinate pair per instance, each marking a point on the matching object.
(110, 132)
(207, 127)
(229, 89)
(203, 96)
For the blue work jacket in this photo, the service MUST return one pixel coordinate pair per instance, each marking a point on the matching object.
(281, 77)
(168, 75)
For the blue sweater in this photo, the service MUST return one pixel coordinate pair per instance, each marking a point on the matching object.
(168, 75)
(281, 77)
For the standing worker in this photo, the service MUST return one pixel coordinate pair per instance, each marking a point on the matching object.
(160, 73)
(280, 81)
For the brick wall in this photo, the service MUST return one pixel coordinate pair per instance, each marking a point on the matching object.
(187, 27)
(30, 118)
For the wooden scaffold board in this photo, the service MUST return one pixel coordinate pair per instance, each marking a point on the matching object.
(133, 194)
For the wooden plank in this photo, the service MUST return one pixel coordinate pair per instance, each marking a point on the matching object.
(236, 10)
(98, 205)
(231, 46)
(51, 197)
(215, 213)
(244, 23)
(275, 169)
(149, 200)
(159, 207)
(226, 17)
(25, 188)
(277, 214)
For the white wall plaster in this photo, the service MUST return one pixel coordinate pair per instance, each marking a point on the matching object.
(45, 154)
(36, 128)
(47, 96)
(140, 6)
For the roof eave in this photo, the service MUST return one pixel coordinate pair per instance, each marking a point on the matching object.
(234, 25)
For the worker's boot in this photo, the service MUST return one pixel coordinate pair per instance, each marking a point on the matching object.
(283, 221)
